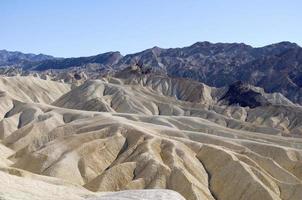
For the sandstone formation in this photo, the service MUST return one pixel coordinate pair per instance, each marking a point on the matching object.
(145, 132)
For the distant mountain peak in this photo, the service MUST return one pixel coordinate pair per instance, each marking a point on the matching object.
(17, 58)
(282, 45)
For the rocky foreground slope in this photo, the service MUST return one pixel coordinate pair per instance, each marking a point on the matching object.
(147, 132)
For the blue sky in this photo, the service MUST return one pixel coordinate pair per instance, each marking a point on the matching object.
(68, 28)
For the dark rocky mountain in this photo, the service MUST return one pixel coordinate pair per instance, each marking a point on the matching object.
(8, 58)
(280, 72)
(244, 95)
(276, 67)
(104, 60)
(215, 64)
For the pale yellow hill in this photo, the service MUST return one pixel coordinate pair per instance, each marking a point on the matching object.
(147, 138)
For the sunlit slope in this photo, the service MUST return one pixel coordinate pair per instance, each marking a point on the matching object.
(150, 133)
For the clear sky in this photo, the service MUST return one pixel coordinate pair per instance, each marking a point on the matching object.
(68, 28)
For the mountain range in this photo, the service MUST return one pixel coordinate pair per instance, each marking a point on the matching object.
(275, 68)
(16, 58)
